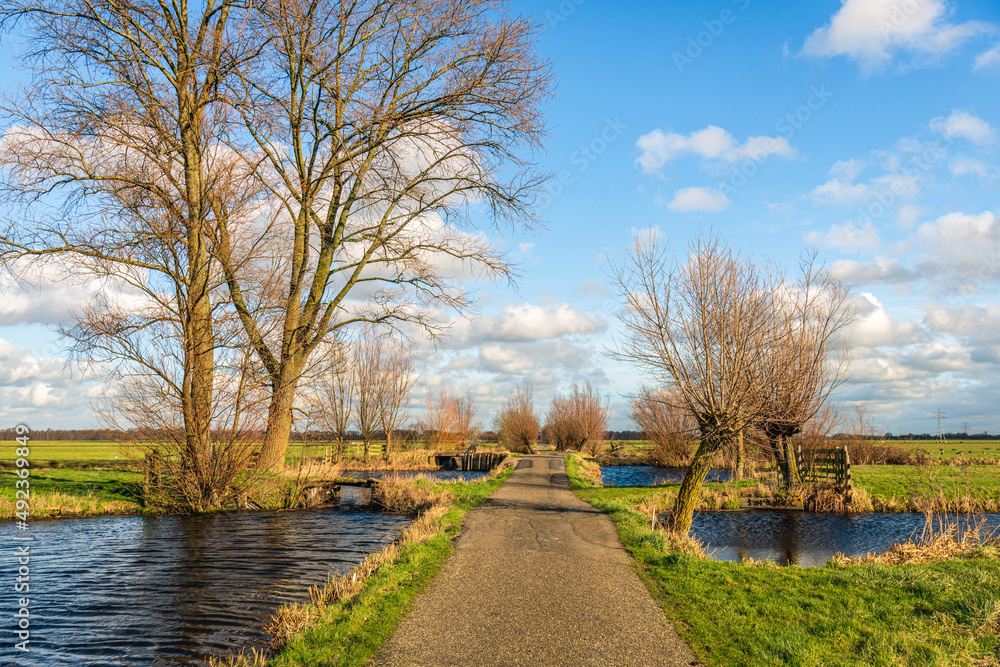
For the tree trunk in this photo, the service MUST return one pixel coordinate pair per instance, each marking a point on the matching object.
(683, 512)
(279, 426)
(740, 458)
(791, 463)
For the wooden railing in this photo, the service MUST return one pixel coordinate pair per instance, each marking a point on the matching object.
(819, 465)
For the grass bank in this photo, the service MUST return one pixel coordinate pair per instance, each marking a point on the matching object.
(352, 616)
(951, 488)
(59, 492)
(942, 612)
(77, 479)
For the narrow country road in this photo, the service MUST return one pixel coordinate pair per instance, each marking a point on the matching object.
(538, 578)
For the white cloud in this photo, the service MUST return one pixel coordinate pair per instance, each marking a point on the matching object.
(838, 191)
(699, 199)
(879, 271)
(966, 167)
(525, 322)
(710, 143)
(963, 124)
(987, 59)
(873, 32)
(907, 216)
(848, 237)
(874, 327)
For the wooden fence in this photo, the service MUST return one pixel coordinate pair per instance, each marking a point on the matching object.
(826, 465)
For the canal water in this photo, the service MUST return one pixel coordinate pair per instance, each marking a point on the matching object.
(808, 539)
(129, 590)
(652, 475)
(787, 537)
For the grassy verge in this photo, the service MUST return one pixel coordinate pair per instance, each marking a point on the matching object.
(353, 616)
(944, 612)
(972, 488)
(64, 492)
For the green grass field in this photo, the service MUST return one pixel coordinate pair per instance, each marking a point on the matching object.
(901, 483)
(977, 449)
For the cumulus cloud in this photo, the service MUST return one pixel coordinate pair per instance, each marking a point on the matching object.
(874, 327)
(699, 199)
(880, 271)
(964, 125)
(710, 143)
(873, 32)
(525, 322)
(848, 237)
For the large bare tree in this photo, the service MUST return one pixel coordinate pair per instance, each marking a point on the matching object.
(112, 152)
(380, 126)
(697, 325)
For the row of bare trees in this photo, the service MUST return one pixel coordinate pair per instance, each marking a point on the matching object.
(578, 421)
(732, 345)
(366, 384)
(259, 177)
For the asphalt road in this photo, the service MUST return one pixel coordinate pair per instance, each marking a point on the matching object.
(538, 578)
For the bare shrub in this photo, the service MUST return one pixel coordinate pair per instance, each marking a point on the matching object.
(866, 443)
(449, 421)
(578, 421)
(516, 423)
(664, 420)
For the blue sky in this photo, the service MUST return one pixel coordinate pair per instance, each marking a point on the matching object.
(865, 129)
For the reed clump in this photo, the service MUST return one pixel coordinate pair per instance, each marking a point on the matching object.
(407, 496)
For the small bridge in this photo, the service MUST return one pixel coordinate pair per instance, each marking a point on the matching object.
(467, 462)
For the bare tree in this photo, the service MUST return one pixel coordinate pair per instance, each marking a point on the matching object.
(395, 382)
(449, 421)
(578, 421)
(367, 370)
(806, 361)
(516, 423)
(119, 131)
(699, 327)
(663, 419)
(378, 124)
(333, 402)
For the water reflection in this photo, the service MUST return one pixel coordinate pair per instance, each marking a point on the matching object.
(170, 590)
(651, 475)
(805, 538)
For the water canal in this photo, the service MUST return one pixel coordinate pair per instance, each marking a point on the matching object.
(786, 536)
(172, 590)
